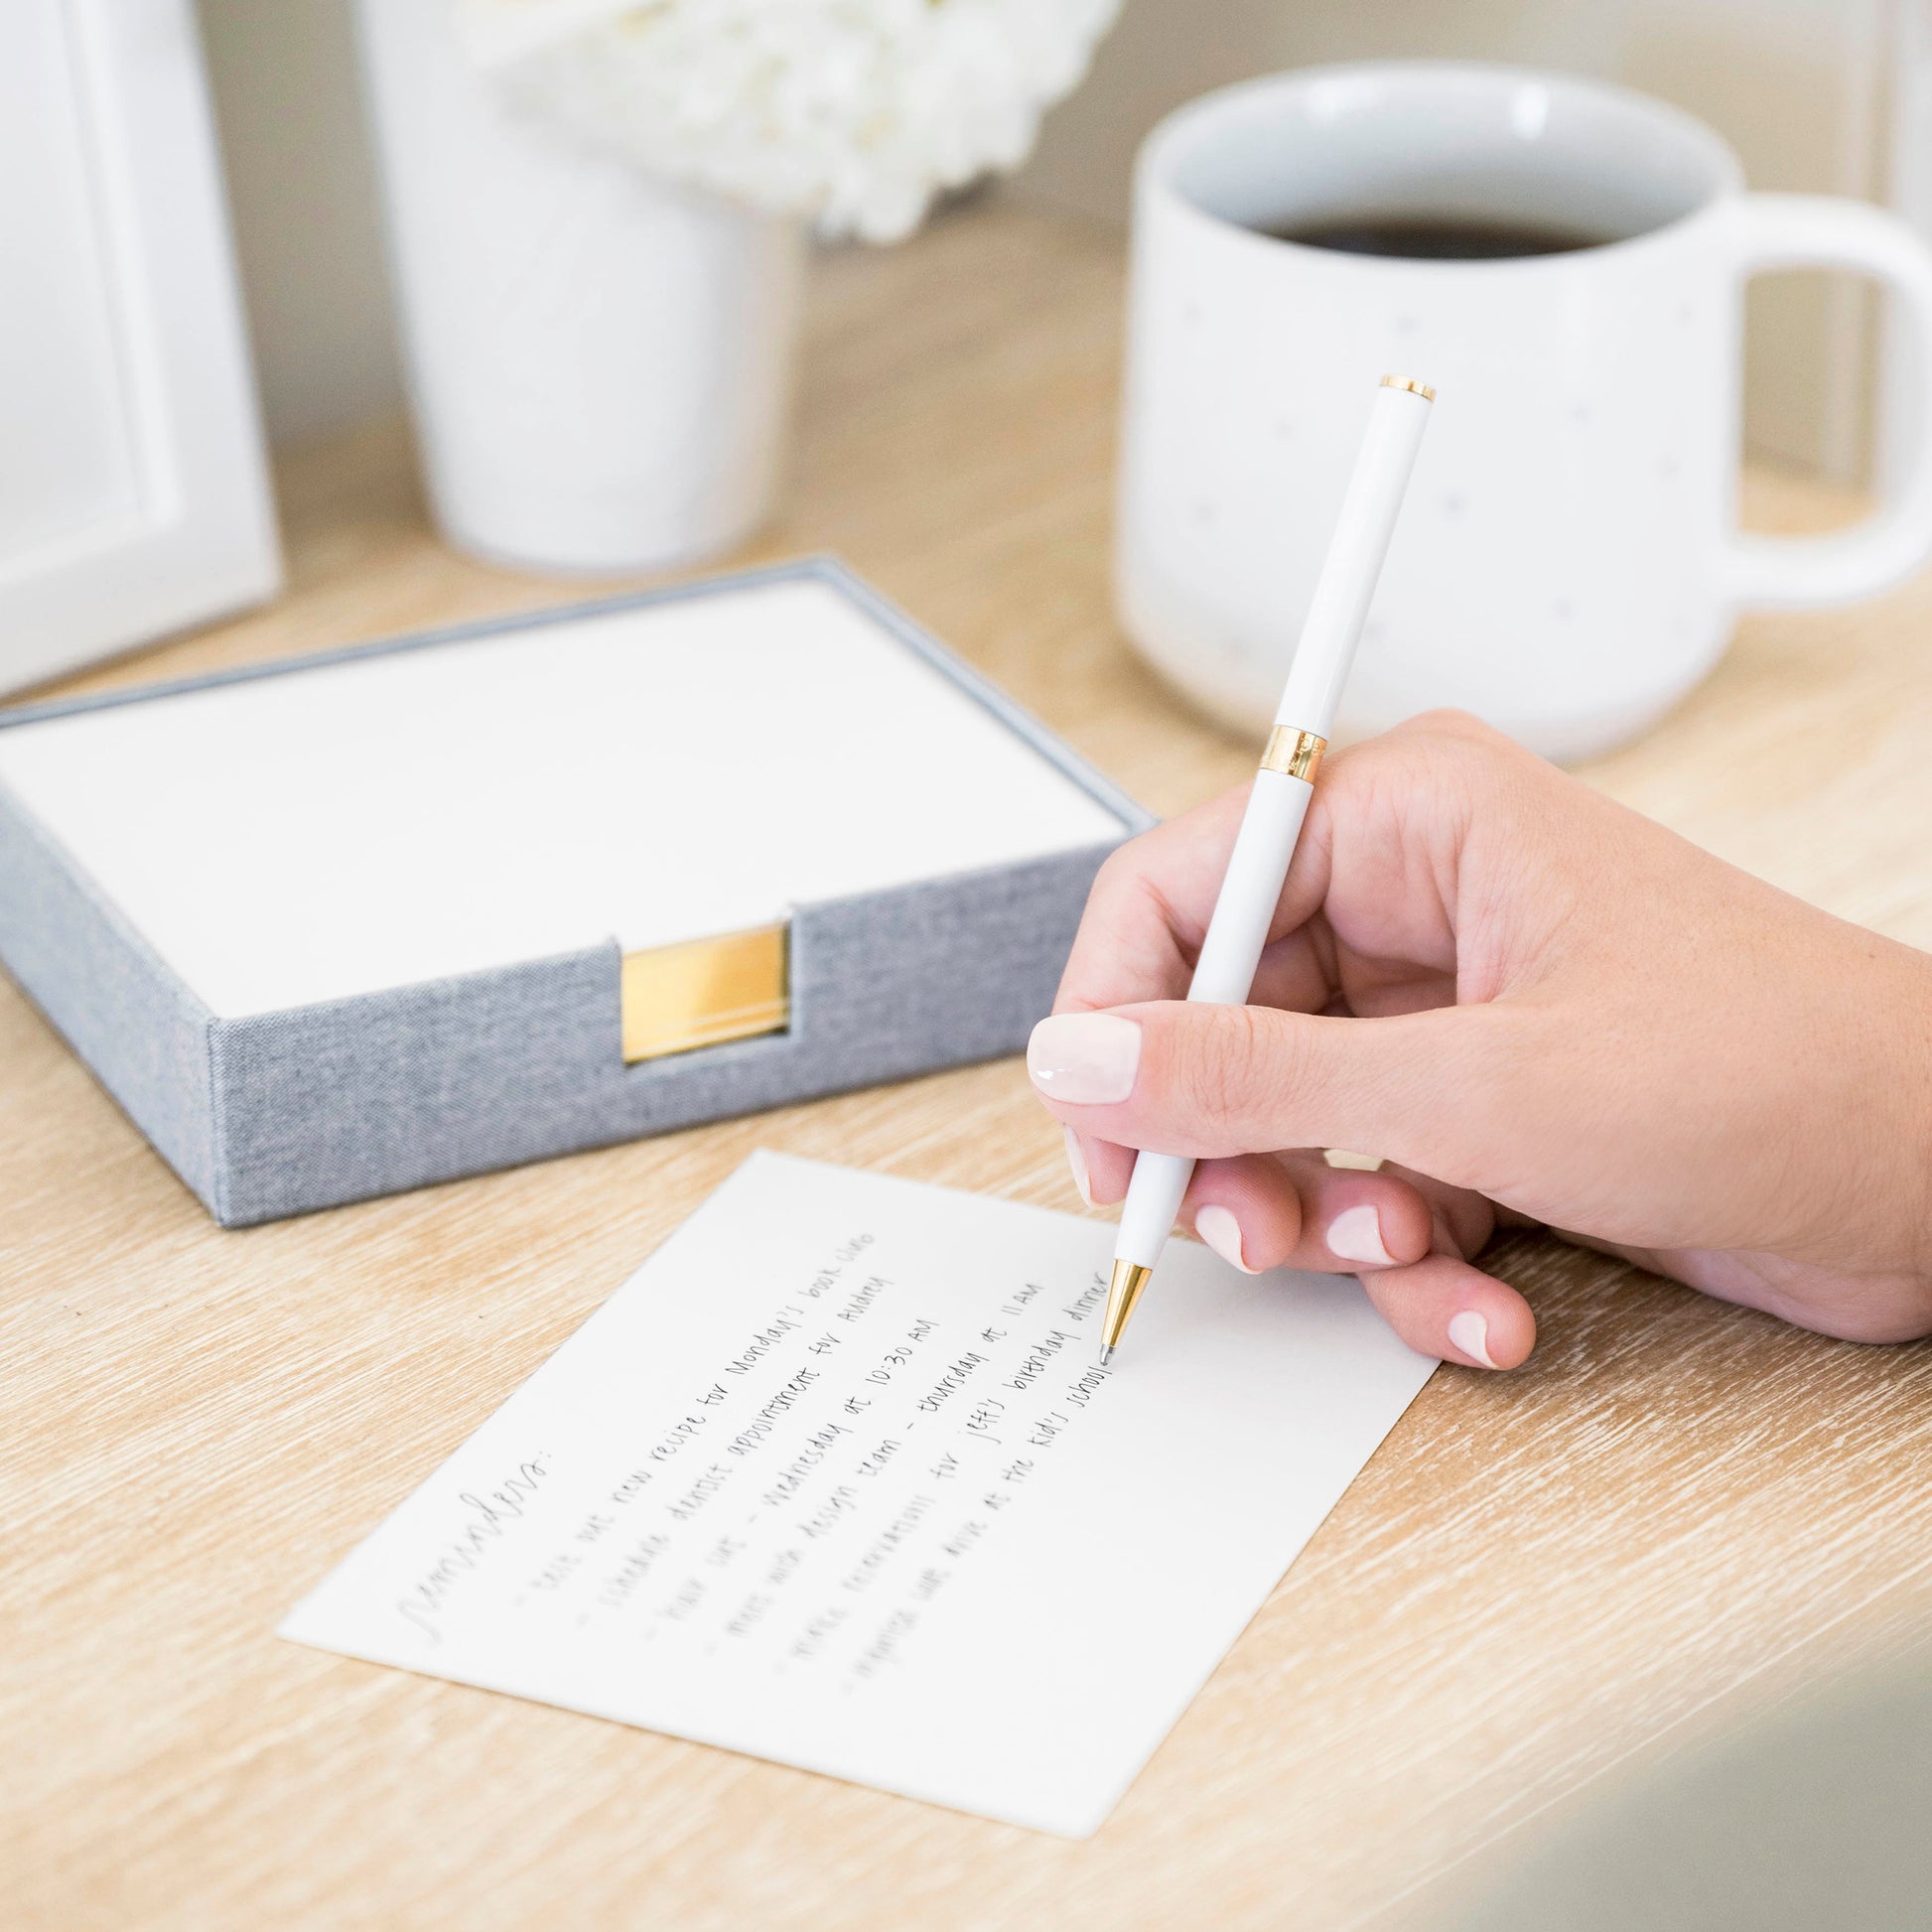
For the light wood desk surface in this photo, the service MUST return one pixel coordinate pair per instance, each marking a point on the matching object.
(1675, 1511)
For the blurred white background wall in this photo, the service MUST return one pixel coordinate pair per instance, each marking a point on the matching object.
(302, 190)
(1803, 88)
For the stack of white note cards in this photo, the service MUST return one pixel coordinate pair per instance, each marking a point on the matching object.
(833, 1479)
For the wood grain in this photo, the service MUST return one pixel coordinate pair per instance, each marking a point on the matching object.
(1675, 1511)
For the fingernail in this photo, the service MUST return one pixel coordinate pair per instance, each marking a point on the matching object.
(1076, 1159)
(1355, 1234)
(1340, 1156)
(1222, 1232)
(1090, 1058)
(1469, 1331)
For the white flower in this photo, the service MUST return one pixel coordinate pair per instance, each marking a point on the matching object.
(852, 113)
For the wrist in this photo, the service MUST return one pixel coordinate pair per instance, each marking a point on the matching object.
(1892, 1117)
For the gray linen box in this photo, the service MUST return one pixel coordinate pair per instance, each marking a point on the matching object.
(279, 1113)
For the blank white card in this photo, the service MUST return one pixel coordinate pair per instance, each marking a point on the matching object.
(833, 1479)
(650, 774)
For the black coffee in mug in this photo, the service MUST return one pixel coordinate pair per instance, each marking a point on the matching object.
(1436, 237)
(1569, 564)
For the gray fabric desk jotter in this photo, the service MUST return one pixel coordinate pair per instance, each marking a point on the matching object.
(322, 1100)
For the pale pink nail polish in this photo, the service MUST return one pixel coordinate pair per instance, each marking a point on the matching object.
(1076, 1159)
(1355, 1234)
(1222, 1232)
(1469, 1331)
(1090, 1058)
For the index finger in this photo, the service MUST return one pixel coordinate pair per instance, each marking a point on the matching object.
(1148, 913)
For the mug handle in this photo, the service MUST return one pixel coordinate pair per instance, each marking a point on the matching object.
(1822, 231)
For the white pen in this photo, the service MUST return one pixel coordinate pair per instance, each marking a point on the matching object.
(1258, 866)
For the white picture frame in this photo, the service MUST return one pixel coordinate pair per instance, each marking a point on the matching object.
(134, 491)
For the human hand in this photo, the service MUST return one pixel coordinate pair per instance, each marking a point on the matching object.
(1535, 1006)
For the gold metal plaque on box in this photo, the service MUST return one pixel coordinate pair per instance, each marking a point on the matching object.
(704, 992)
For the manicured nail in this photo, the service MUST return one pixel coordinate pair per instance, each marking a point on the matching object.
(1090, 1058)
(1355, 1234)
(1222, 1232)
(1076, 1159)
(1340, 1156)
(1469, 1332)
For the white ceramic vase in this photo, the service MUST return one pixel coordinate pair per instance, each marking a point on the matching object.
(600, 364)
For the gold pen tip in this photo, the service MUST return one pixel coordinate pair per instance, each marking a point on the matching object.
(1129, 1277)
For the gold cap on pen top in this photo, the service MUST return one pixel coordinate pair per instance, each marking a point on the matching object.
(1410, 384)
(1121, 1293)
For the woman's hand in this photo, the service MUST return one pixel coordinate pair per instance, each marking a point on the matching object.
(1534, 1006)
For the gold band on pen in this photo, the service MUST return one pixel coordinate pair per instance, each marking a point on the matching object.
(1410, 384)
(1295, 752)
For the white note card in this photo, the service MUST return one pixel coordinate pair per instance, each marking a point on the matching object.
(833, 1479)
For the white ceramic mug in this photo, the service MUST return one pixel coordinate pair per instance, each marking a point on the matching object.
(1569, 563)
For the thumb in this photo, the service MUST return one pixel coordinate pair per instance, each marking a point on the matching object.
(1429, 1090)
